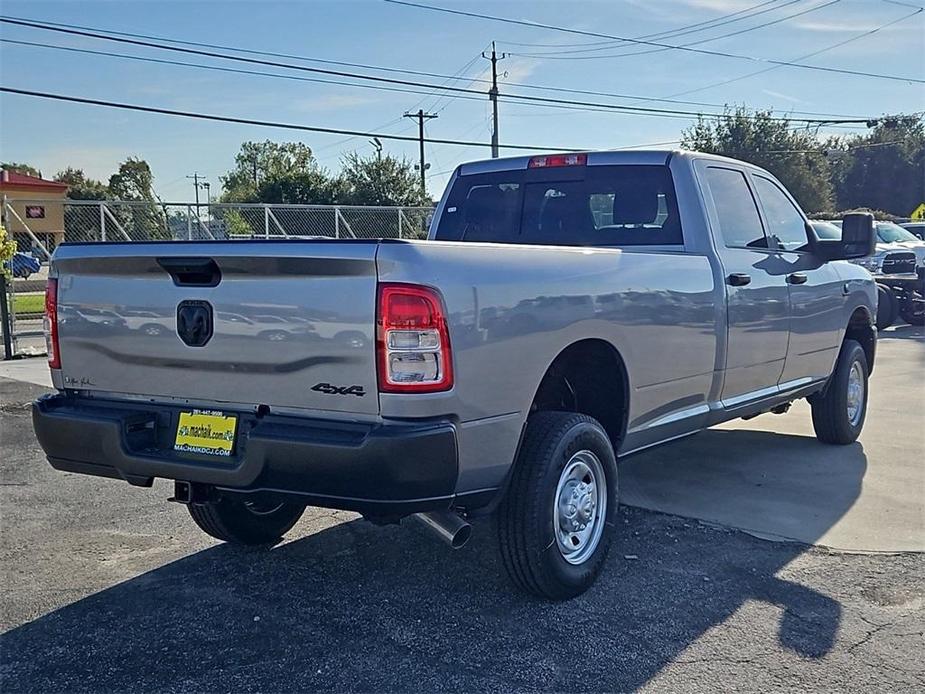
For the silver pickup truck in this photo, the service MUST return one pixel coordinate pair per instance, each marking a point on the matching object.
(566, 311)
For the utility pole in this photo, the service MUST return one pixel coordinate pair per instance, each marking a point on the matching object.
(377, 145)
(195, 176)
(493, 96)
(421, 117)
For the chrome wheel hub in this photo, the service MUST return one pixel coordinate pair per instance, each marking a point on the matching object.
(581, 506)
(855, 394)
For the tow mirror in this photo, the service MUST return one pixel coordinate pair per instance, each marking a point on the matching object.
(858, 239)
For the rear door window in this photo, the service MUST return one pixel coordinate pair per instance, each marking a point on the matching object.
(736, 211)
(572, 206)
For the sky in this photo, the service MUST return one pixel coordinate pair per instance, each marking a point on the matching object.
(52, 135)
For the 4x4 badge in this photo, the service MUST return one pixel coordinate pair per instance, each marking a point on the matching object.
(328, 389)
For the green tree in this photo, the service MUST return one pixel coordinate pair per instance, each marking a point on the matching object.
(261, 166)
(135, 182)
(377, 180)
(796, 157)
(885, 168)
(7, 249)
(310, 187)
(81, 187)
(26, 169)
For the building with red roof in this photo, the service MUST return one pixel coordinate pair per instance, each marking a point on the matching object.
(33, 207)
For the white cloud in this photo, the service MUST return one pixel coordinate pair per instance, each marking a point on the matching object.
(785, 97)
(720, 5)
(845, 26)
(517, 70)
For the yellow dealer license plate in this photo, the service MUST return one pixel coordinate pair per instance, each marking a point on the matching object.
(207, 432)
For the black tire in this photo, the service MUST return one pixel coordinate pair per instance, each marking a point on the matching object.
(245, 522)
(887, 307)
(527, 529)
(911, 317)
(831, 420)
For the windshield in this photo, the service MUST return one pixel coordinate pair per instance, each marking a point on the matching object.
(623, 205)
(888, 232)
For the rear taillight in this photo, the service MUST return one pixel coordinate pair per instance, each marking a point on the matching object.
(551, 160)
(412, 340)
(51, 324)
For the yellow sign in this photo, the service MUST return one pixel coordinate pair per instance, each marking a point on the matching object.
(918, 214)
(211, 433)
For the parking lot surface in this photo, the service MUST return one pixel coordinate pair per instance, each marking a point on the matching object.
(107, 587)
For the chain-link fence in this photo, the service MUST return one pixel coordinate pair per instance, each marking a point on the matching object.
(39, 225)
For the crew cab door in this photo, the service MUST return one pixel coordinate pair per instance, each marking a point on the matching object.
(814, 286)
(757, 297)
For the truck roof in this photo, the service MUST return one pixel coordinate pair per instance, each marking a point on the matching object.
(652, 157)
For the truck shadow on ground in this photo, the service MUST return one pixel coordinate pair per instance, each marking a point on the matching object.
(360, 608)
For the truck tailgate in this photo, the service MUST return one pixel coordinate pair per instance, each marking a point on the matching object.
(292, 324)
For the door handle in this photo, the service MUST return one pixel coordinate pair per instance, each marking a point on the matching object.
(797, 278)
(738, 279)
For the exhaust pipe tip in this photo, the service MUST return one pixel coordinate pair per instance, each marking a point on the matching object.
(447, 526)
(461, 537)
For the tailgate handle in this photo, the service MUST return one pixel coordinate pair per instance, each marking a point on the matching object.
(192, 272)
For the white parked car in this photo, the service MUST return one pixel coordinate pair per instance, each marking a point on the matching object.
(898, 266)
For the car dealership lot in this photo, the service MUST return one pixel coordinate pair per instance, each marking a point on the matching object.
(107, 587)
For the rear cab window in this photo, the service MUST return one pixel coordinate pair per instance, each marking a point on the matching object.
(611, 205)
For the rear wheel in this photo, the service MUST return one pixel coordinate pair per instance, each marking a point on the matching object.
(838, 416)
(556, 522)
(244, 521)
(887, 307)
(911, 315)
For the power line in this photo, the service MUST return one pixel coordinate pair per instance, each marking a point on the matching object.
(401, 118)
(539, 100)
(657, 44)
(263, 123)
(670, 33)
(808, 55)
(219, 68)
(468, 94)
(79, 30)
(42, 24)
(779, 20)
(318, 129)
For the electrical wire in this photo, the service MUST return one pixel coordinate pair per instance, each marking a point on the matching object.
(319, 129)
(657, 44)
(803, 57)
(547, 102)
(670, 33)
(79, 29)
(263, 123)
(553, 56)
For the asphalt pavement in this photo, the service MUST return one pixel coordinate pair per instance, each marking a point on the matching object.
(110, 588)
(770, 476)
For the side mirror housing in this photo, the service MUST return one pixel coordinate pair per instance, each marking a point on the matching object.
(858, 239)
